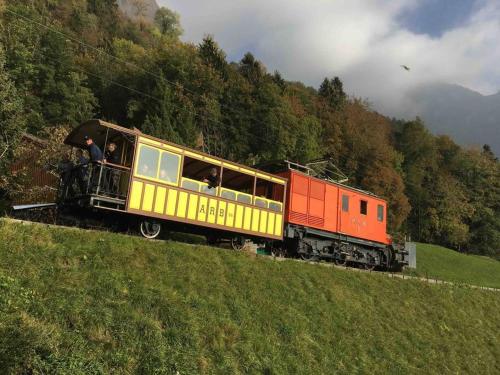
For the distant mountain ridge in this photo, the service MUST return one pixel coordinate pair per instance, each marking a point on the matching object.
(470, 118)
(139, 9)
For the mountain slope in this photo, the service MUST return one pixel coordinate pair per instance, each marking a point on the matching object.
(86, 302)
(444, 264)
(467, 116)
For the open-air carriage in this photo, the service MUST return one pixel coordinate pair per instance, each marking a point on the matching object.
(157, 182)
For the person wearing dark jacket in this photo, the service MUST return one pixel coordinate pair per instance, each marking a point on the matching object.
(96, 156)
(94, 150)
(81, 170)
(110, 155)
(65, 168)
(212, 179)
(112, 174)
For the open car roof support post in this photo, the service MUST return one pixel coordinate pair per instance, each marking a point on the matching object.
(122, 157)
(254, 188)
(220, 178)
(102, 162)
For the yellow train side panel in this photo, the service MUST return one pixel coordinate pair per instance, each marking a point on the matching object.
(147, 200)
(212, 207)
(202, 211)
(238, 222)
(193, 206)
(247, 218)
(182, 205)
(161, 192)
(136, 195)
(221, 215)
(270, 223)
(279, 224)
(263, 222)
(230, 214)
(255, 220)
(171, 201)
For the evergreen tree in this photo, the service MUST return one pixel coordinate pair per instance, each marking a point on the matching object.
(333, 91)
(212, 55)
(252, 69)
(168, 22)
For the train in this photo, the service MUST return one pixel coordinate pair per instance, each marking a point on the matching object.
(156, 186)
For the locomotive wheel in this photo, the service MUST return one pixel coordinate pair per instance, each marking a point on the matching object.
(369, 267)
(341, 262)
(309, 257)
(150, 228)
(237, 243)
(305, 256)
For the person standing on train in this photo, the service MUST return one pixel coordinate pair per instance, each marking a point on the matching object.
(112, 174)
(96, 157)
(81, 169)
(65, 168)
(94, 150)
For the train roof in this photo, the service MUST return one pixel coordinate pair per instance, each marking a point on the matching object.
(95, 129)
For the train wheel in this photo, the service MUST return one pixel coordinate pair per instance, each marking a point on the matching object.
(150, 228)
(305, 256)
(369, 267)
(311, 257)
(341, 261)
(237, 243)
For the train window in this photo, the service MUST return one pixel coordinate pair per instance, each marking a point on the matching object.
(190, 185)
(363, 207)
(275, 206)
(200, 170)
(228, 194)
(147, 165)
(244, 198)
(169, 167)
(238, 182)
(272, 191)
(260, 202)
(345, 203)
(208, 190)
(380, 212)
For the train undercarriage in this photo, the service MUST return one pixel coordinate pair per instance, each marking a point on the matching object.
(316, 245)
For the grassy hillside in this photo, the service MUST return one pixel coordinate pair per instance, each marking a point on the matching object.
(445, 264)
(84, 302)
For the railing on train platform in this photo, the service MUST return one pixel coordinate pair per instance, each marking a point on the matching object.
(101, 179)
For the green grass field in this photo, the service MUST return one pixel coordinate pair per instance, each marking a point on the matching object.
(85, 302)
(441, 263)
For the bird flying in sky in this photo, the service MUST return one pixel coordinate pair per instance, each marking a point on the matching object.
(405, 67)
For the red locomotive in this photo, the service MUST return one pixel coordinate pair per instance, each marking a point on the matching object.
(330, 221)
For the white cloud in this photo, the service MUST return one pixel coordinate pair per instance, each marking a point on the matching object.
(358, 40)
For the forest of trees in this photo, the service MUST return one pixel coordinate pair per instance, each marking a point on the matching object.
(62, 62)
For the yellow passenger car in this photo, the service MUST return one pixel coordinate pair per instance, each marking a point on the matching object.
(164, 182)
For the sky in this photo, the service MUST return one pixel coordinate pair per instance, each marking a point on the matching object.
(364, 42)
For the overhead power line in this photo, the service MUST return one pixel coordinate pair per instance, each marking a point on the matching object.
(126, 62)
(146, 71)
